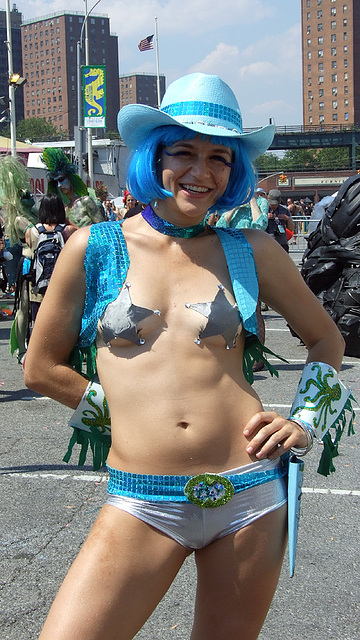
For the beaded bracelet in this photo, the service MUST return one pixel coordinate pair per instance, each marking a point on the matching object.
(302, 451)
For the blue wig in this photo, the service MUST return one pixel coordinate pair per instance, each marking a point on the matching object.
(144, 173)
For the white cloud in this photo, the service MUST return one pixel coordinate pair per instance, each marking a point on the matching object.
(251, 44)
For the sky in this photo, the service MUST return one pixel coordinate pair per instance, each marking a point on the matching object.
(254, 45)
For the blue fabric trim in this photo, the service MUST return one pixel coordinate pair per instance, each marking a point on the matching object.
(107, 263)
(208, 109)
(242, 268)
(171, 488)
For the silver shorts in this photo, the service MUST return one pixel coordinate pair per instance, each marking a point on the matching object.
(195, 527)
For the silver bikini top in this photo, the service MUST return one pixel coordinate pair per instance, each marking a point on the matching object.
(121, 317)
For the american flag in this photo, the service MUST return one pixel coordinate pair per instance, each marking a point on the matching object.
(146, 43)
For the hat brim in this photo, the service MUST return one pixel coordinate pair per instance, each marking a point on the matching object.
(136, 121)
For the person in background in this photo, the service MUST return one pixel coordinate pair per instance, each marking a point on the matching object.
(110, 214)
(129, 206)
(19, 214)
(196, 465)
(297, 215)
(51, 214)
(83, 207)
(279, 219)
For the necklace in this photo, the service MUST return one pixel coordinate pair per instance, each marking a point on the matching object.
(169, 229)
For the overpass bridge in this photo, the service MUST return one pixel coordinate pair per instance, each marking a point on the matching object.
(317, 137)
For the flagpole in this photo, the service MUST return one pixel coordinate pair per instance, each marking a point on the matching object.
(157, 64)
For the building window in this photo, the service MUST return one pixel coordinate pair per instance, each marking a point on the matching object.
(308, 29)
(320, 26)
(319, 14)
(334, 104)
(309, 42)
(321, 80)
(345, 76)
(321, 66)
(333, 11)
(333, 64)
(318, 2)
(346, 89)
(334, 117)
(334, 91)
(334, 77)
(308, 16)
(310, 95)
(345, 35)
(309, 55)
(321, 105)
(309, 68)
(321, 119)
(321, 40)
(333, 37)
(333, 51)
(344, 8)
(333, 24)
(345, 49)
(346, 102)
(320, 53)
(321, 93)
(310, 120)
(346, 115)
(309, 82)
(310, 106)
(345, 22)
(345, 63)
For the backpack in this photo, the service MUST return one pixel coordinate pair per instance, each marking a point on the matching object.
(46, 253)
(331, 263)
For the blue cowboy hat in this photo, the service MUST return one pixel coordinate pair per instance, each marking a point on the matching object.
(201, 102)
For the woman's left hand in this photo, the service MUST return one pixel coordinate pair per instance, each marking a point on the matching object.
(270, 435)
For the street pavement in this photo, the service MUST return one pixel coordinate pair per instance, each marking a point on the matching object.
(48, 507)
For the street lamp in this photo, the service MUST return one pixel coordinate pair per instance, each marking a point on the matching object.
(16, 80)
(79, 101)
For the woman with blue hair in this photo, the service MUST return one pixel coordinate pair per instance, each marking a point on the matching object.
(169, 305)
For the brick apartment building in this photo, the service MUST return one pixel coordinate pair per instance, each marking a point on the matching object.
(140, 88)
(331, 62)
(49, 52)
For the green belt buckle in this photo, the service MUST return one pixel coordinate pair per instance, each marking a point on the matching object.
(209, 490)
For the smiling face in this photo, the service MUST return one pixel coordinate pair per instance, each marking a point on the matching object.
(130, 201)
(197, 173)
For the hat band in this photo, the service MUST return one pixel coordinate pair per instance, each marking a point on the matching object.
(207, 109)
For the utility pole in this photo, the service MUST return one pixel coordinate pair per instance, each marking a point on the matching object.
(11, 86)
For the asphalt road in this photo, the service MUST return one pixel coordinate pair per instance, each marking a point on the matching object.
(48, 507)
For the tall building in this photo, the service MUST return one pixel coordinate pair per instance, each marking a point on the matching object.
(15, 19)
(49, 49)
(140, 88)
(331, 62)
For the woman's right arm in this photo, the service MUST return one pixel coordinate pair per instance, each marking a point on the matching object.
(57, 328)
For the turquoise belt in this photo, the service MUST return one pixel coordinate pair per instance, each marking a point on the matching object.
(206, 489)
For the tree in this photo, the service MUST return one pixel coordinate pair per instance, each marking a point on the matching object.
(269, 162)
(334, 158)
(301, 159)
(33, 129)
